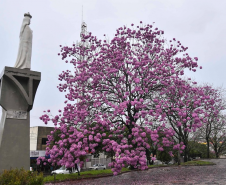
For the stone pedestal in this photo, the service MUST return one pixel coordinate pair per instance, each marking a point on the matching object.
(17, 93)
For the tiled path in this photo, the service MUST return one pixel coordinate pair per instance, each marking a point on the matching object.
(211, 175)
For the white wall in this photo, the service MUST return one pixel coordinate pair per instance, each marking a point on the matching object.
(33, 138)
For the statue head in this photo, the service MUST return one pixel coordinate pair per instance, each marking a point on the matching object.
(27, 15)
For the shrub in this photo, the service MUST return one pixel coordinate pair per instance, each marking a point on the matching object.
(164, 156)
(20, 177)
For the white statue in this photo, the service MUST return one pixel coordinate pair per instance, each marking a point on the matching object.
(23, 60)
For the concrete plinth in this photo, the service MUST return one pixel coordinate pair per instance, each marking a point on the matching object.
(17, 93)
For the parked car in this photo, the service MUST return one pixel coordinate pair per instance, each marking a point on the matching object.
(129, 166)
(157, 162)
(170, 163)
(64, 170)
(98, 167)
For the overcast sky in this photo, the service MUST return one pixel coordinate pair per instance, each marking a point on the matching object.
(200, 25)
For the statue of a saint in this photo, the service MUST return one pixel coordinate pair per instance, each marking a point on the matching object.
(23, 60)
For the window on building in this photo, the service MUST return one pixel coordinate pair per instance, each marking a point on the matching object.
(44, 140)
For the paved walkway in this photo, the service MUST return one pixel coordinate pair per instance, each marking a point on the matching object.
(211, 175)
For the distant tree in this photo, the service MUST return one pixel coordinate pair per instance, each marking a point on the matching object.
(218, 135)
(218, 104)
(185, 105)
(197, 149)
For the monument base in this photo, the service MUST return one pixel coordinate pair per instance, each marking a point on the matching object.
(17, 93)
(14, 150)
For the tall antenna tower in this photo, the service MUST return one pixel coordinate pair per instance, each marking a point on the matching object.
(82, 13)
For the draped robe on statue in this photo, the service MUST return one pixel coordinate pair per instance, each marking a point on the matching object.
(24, 53)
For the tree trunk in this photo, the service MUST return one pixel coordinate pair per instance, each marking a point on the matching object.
(185, 154)
(186, 150)
(77, 169)
(179, 152)
(154, 153)
(178, 158)
(217, 155)
(148, 153)
(132, 167)
(216, 152)
(208, 147)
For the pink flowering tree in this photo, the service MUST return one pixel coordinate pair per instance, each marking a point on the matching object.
(185, 107)
(116, 85)
(213, 112)
(162, 142)
(165, 145)
(66, 146)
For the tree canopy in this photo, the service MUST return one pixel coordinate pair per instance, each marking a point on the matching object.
(131, 87)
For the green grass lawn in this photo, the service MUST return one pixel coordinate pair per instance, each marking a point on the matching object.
(199, 163)
(189, 163)
(85, 174)
(157, 165)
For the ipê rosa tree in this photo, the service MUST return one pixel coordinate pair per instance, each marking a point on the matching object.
(162, 141)
(212, 113)
(114, 84)
(165, 143)
(67, 147)
(185, 107)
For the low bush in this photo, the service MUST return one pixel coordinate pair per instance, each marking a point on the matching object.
(20, 177)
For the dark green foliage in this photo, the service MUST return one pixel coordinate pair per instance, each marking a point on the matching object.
(164, 156)
(198, 150)
(20, 177)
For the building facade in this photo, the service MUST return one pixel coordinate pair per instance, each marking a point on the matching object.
(38, 139)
